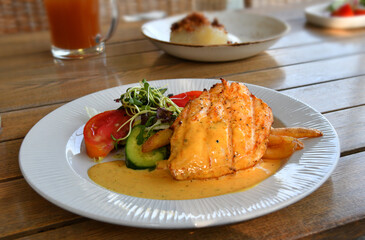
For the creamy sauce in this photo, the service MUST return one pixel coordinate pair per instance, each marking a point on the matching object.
(159, 184)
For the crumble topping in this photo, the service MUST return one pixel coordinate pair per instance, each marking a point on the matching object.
(193, 21)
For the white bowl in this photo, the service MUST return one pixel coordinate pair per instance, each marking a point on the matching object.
(250, 34)
(319, 15)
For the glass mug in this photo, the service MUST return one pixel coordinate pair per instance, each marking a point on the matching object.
(75, 27)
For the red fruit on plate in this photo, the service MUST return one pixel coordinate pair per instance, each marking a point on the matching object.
(359, 11)
(99, 129)
(344, 11)
(183, 98)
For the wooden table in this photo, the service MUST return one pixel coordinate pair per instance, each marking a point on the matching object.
(323, 68)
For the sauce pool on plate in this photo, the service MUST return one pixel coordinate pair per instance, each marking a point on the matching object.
(158, 184)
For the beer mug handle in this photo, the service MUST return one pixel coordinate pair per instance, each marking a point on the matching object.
(115, 20)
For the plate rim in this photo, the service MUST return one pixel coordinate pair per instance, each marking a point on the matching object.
(233, 219)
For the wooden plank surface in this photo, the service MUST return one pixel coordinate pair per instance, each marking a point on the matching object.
(53, 84)
(125, 48)
(23, 210)
(322, 67)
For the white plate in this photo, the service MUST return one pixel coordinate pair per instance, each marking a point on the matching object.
(319, 15)
(53, 161)
(250, 33)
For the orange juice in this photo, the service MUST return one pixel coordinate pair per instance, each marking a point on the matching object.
(74, 24)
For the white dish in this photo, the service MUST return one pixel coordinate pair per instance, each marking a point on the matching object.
(250, 34)
(53, 161)
(319, 15)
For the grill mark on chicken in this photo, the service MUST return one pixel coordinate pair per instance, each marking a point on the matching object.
(230, 135)
(224, 130)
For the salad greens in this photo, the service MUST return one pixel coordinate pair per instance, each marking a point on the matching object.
(336, 4)
(149, 107)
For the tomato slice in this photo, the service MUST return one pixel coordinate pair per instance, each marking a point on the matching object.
(99, 129)
(183, 98)
(359, 11)
(344, 11)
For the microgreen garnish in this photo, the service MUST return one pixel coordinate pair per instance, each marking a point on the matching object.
(115, 142)
(150, 104)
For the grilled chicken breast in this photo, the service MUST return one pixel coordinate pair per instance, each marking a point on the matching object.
(225, 130)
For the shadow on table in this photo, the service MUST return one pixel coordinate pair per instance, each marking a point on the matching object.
(85, 76)
(323, 32)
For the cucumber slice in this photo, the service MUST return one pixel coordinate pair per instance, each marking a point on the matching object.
(135, 158)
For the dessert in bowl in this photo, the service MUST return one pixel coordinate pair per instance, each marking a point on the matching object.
(247, 35)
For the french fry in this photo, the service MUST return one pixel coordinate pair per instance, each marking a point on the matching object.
(274, 140)
(278, 140)
(284, 149)
(299, 145)
(296, 132)
(159, 139)
(278, 152)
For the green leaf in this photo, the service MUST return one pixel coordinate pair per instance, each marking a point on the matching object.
(146, 85)
(145, 107)
(151, 120)
(163, 90)
(115, 142)
(137, 102)
(131, 101)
